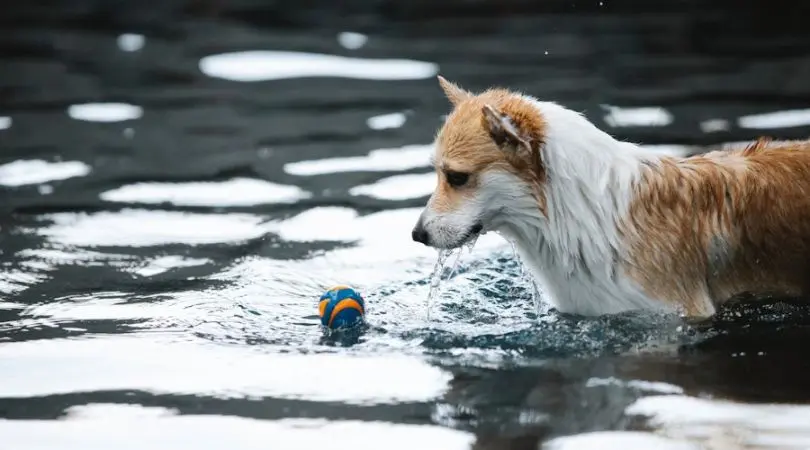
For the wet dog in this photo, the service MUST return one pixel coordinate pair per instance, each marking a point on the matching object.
(607, 227)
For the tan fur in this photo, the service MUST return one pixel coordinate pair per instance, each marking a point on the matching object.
(753, 202)
(464, 143)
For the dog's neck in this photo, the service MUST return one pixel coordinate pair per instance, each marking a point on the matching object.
(590, 178)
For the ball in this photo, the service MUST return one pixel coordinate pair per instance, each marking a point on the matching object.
(341, 307)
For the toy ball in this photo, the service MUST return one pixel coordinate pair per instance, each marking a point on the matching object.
(341, 307)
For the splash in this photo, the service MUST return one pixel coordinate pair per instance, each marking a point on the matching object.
(436, 276)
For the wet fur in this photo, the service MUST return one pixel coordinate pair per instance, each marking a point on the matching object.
(606, 227)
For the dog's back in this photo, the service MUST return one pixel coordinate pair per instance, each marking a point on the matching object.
(709, 227)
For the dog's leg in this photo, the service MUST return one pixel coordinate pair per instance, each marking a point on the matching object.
(699, 309)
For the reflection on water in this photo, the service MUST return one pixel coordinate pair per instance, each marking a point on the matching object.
(352, 40)
(35, 171)
(171, 364)
(720, 423)
(384, 159)
(130, 42)
(776, 119)
(385, 121)
(234, 192)
(399, 187)
(144, 227)
(105, 112)
(95, 426)
(714, 125)
(263, 65)
(637, 117)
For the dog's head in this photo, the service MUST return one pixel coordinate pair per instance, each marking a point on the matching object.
(488, 164)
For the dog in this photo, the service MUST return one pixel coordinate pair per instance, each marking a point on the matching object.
(606, 227)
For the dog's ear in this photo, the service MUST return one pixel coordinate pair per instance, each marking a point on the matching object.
(503, 129)
(453, 92)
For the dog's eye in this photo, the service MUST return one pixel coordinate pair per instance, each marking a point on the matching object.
(457, 179)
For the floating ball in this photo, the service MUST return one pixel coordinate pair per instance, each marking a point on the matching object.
(341, 307)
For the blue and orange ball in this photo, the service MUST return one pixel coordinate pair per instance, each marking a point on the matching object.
(341, 307)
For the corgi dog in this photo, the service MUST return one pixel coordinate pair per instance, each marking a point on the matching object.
(607, 227)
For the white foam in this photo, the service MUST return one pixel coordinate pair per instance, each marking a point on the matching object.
(616, 440)
(386, 121)
(235, 192)
(95, 426)
(352, 40)
(163, 365)
(143, 228)
(261, 65)
(637, 117)
(716, 421)
(105, 112)
(5, 122)
(399, 187)
(777, 119)
(130, 42)
(36, 171)
(384, 159)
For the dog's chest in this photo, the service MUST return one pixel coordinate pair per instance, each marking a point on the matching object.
(587, 289)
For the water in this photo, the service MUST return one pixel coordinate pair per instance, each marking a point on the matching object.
(181, 183)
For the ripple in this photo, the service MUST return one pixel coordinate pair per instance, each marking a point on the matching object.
(5, 122)
(130, 42)
(386, 121)
(399, 187)
(776, 119)
(352, 40)
(262, 65)
(95, 426)
(105, 112)
(235, 192)
(14, 281)
(637, 117)
(384, 159)
(144, 228)
(36, 171)
(163, 264)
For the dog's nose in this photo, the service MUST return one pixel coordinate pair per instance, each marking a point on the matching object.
(419, 234)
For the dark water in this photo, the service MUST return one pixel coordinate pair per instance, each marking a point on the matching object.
(172, 209)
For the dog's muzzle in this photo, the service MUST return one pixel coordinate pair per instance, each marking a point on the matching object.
(420, 234)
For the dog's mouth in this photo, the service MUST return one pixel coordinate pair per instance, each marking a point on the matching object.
(469, 236)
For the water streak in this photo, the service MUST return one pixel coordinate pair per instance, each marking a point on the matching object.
(436, 278)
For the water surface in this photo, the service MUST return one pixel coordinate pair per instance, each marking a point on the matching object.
(180, 183)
